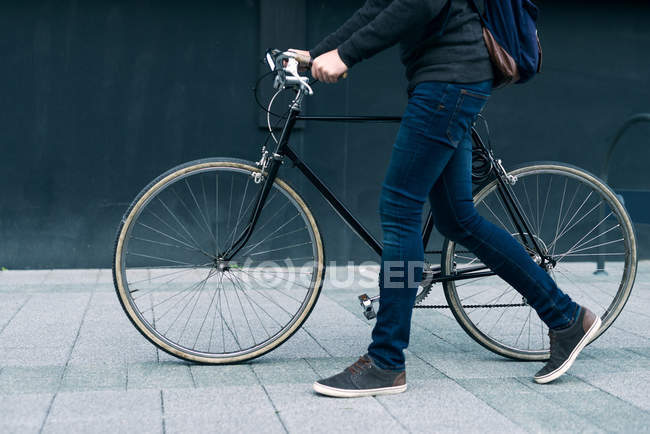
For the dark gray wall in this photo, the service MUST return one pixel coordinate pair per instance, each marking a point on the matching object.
(98, 97)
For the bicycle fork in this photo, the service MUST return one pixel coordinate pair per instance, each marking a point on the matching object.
(273, 162)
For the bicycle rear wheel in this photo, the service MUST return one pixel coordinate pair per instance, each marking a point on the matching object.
(176, 289)
(577, 220)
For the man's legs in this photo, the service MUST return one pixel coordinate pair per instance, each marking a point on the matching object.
(571, 327)
(456, 218)
(432, 155)
(419, 156)
(438, 117)
(416, 162)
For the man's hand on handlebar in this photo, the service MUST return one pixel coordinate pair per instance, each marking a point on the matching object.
(328, 68)
(304, 59)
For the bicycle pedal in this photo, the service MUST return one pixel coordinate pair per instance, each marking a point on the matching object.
(368, 308)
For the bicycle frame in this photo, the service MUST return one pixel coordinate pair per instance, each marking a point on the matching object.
(272, 164)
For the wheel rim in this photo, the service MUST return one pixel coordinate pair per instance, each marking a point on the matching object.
(588, 223)
(191, 303)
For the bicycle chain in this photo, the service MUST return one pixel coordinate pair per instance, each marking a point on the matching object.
(469, 306)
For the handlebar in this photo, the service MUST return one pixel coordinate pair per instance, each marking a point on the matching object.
(286, 64)
(303, 61)
(307, 62)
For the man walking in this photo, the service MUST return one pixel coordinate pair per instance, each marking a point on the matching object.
(450, 80)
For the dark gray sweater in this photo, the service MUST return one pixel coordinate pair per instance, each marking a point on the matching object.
(431, 49)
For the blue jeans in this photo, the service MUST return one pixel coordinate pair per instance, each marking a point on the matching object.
(432, 156)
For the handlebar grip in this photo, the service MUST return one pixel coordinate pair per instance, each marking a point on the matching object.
(303, 60)
(306, 62)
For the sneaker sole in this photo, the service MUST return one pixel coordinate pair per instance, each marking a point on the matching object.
(574, 354)
(346, 393)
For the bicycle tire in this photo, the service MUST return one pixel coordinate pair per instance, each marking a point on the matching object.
(621, 296)
(149, 331)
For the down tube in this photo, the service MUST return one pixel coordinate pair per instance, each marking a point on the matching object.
(336, 204)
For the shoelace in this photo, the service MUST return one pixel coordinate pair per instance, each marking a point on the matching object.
(360, 365)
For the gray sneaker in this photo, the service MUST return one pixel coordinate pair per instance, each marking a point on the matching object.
(567, 343)
(363, 378)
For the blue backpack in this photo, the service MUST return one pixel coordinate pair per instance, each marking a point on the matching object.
(510, 35)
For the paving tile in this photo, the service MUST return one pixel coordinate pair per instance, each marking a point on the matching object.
(300, 408)
(300, 344)
(36, 289)
(76, 277)
(46, 320)
(283, 371)
(449, 375)
(536, 412)
(615, 337)
(442, 405)
(478, 365)
(424, 340)
(105, 276)
(102, 343)
(18, 335)
(159, 375)
(20, 380)
(604, 411)
(642, 351)
(494, 386)
(586, 364)
(223, 375)
(9, 306)
(33, 356)
(324, 367)
(106, 411)
(333, 331)
(23, 413)
(55, 309)
(11, 277)
(107, 287)
(631, 322)
(345, 347)
(82, 378)
(631, 387)
(107, 425)
(419, 370)
(621, 359)
(434, 320)
(222, 409)
(11, 428)
(105, 308)
(566, 383)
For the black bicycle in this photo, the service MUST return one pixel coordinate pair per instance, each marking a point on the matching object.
(220, 260)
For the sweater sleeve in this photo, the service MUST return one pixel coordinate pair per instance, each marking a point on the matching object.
(388, 27)
(362, 17)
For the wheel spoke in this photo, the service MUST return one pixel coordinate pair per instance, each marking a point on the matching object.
(575, 221)
(186, 296)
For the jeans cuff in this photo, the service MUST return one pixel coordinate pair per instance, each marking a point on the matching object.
(385, 367)
(574, 318)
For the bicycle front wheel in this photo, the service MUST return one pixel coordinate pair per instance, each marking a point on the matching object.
(176, 288)
(579, 222)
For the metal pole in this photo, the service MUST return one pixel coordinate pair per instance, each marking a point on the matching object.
(604, 173)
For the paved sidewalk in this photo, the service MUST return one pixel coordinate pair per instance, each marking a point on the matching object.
(70, 361)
